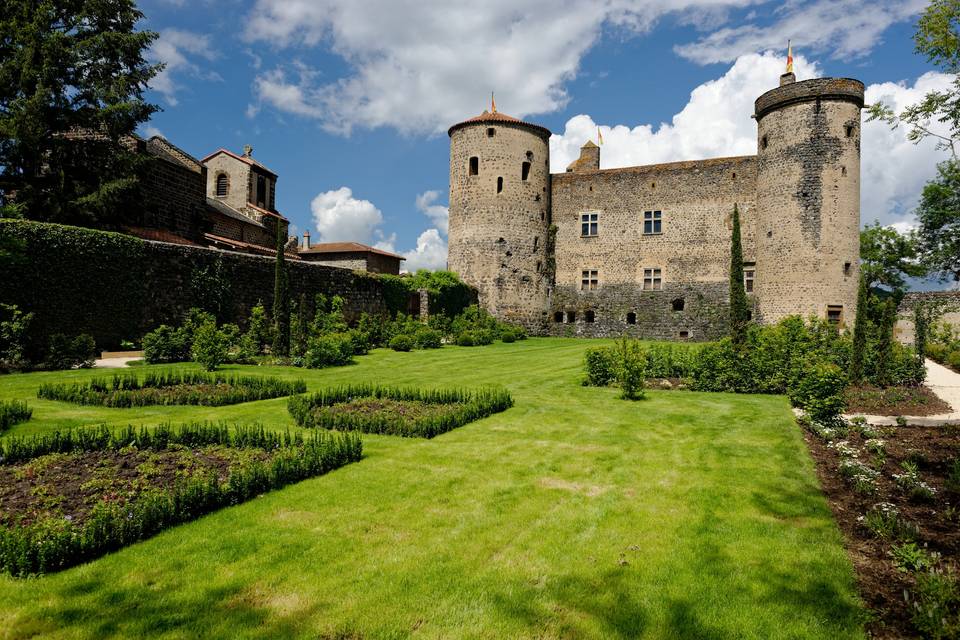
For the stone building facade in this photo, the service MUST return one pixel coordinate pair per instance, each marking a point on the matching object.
(646, 250)
(350, 255)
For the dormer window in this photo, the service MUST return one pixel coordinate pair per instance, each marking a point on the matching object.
(223, 185)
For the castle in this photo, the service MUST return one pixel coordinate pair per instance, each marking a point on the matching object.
(646, 250)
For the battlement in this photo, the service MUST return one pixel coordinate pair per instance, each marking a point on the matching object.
(842, 89)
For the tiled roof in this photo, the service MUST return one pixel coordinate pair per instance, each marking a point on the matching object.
(247, 159)
(238, 244)
(223, 208)
(267, 212)
(499, 118)
(160, 235)
(348, 247)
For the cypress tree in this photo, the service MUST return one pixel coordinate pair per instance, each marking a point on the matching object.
(739, 306)
(860, 329)
(281, 299)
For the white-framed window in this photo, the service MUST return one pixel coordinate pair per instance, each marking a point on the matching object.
(589, 279)
(652, 223)
(749, 275)
(589, 224)
(652, 279)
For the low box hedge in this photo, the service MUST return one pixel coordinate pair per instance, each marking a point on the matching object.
(407, 411)
(56, 542)
(171, 388)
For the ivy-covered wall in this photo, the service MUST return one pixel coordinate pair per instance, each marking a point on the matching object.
(117, 287)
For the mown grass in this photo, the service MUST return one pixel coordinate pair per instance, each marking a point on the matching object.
(572, 515)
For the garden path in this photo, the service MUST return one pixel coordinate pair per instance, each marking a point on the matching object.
(946, 384)
(111, 363)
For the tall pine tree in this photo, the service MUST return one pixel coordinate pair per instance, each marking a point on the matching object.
(281, 298)
(739, 306)
(72, 76)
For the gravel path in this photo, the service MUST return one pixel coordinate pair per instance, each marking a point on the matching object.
(112, 363)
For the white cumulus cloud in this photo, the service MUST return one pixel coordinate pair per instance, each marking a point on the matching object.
(338, 216)
(420, 65)
(716, 122)
(439, 214)
(430, 252)
(178, 50)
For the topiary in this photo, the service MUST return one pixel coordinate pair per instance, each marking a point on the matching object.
(402, 342)
(427, 338)
(465, 339)
(329, 350)
(508, 336)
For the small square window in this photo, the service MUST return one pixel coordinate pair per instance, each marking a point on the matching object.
(490, 132)
(652, 280)
(835, 314)
(589, 280)
(631, 318)
(652, 222)
(589, 224)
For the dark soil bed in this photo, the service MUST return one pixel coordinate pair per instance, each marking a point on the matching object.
(68, 485)
(894, 401)
(404, 410)
(882, 585)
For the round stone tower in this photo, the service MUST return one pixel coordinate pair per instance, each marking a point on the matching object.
(808, 199)
(500, 214)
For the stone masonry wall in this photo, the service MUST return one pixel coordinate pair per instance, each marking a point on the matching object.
(808, 196)
(173, 199)
(904, 329)
(692, 251)
(497, 239)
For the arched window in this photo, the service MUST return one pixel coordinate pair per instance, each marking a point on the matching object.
(474, 165)
(223, 185)
(525, 171)
(631, 318)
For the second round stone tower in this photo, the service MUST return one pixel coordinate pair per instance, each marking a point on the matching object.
(500, 214)
(808, 199)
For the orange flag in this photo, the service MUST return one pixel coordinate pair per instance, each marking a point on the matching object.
(493, 103)
(789, 58)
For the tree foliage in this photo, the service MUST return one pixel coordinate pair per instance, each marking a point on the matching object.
(72, 76)
(939, 217)
(281, 299)
(739, 306)
(888, 257)
(861, 327)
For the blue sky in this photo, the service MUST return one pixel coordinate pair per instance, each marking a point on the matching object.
(348, 100)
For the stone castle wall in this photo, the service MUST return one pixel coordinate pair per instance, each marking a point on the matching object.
(696, 201)
(173, 195)
(497, 238)
(808, 196)
(240, 178)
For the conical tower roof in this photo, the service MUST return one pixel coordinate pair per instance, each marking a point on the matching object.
(495, 117)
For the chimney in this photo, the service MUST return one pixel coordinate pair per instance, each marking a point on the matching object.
(306, 239)
(787, 78)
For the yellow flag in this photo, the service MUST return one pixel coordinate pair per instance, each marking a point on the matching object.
(789, 57)
(599, 137)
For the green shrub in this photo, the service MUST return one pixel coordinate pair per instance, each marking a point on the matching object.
(14, 327)
(952, 360)
(508, 336)
(402, 342)
(631, 369)
(819, 391)
(312, 410)
(465, 340)
(260, 328)
(13, 412)
(166, 344)
(171, 388)
(210, 346)
(359, 341)
(600, 364)
(65, 352)
(936, 604)
(671, 360)
(53, 544)
(426, 338)
(330, 350)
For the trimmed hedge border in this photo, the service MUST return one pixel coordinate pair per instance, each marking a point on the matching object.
(129, 390)
(473, 405)
(13, 412)
(56, 543)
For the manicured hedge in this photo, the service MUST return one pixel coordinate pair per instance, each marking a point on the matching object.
(171, 388)
(13, 412)
(467, 406)
(56, 543)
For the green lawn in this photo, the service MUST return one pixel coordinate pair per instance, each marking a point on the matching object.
(572, 515)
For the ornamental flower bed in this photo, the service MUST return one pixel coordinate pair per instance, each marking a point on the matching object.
(396, 411)
(178, 387)
(895, 492)
(73, 496)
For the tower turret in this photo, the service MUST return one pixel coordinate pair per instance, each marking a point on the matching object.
(808, 199)
(500, 214)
